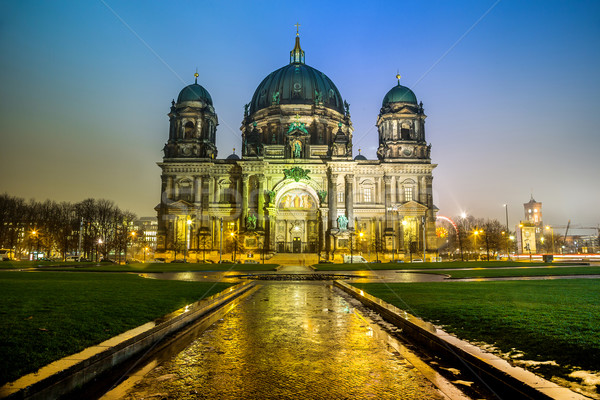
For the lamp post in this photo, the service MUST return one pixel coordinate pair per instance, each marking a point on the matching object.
(185, 242)
(98, 248)
(145, 250)
(404, 224)
(475, 233)
(221, 240)
(549, 228)
(507, 232)
(463, 217)
(36, 235)
(232, 234)
(133, 233)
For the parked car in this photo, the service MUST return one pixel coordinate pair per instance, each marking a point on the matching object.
(354, 259)
(224, 262)
(159, 260)
(397, 261)
(180, 261)
(325, 262)
(108, 261)
(417, 260)
(376, 262)
(250, 262)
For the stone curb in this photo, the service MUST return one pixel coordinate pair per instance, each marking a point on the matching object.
(63, 376)
(493, 370)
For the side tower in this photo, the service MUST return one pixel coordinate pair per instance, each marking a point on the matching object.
(193, 124)
(188, 156)
(401, 126)
(406, 162)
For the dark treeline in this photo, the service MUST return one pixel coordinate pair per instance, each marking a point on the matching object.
(477, 237)
(54, 228)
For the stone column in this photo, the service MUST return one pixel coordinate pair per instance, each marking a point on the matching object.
(213, 187)
(387, 180)
(170, 188)
(332, 200)
(245, 181)
(261, 201)
(332, 211)
(197, 197)
(322, 230)
(349, 179)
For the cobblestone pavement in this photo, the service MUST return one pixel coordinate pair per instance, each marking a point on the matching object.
(287, 341)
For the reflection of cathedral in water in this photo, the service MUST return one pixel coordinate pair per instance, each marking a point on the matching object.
(296, 187)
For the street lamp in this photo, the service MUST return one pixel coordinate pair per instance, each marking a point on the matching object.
(232, 234)
(185, 241)
(475, 233)
(98, 248)
(507, 231)
(404, 224)
(548, 228)
(132, 249)
(36, 235)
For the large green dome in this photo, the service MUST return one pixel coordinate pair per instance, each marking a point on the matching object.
(399, 94)
(296, 84)
(194, 92)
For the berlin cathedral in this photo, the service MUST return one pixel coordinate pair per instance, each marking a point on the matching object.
(296, 187)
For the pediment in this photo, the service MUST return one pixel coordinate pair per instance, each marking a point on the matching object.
(179, 204)
(411, 208)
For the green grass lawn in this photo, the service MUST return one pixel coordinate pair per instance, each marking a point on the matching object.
(427, 265)
(176, 267)
(47, 316)
(30, 264)
(547, 320)
(495, 273)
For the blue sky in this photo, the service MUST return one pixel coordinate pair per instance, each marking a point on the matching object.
(510, 89)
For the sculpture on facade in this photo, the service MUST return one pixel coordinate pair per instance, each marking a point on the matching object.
(251, 221)
(342, 221)
(271, 196)
(297, 149)
(322, 195)
(296, 173)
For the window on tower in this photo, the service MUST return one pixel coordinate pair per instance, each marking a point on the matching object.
(408, 193)
(367, 195)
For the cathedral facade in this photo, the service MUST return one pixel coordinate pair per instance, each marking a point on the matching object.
(296, 187)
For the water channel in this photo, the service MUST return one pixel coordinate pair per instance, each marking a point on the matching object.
(287, 340)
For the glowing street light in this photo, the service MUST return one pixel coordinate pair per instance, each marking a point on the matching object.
(507, 231)
(232, 235)
(549, 228)
(185, 239)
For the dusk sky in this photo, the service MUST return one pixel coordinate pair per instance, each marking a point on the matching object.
(511, 90)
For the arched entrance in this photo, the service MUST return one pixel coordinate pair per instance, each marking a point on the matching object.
(297, 221)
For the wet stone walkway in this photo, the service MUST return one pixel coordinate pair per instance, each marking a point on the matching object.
(288, 340)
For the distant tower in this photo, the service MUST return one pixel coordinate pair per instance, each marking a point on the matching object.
(533, 212)
(530, 229)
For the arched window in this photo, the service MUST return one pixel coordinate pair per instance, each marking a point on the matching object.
(408, 190)
(226, 191)
(367, 188)
(405, 130)
(184, 190)
(189, 130)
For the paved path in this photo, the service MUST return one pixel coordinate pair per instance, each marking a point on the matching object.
(288, 341)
